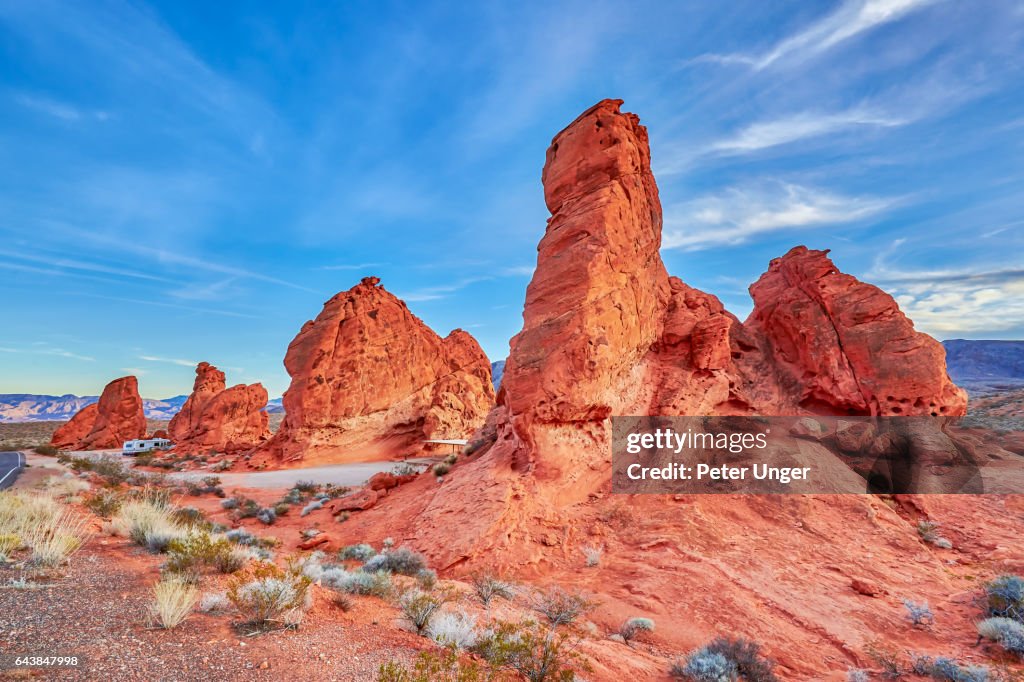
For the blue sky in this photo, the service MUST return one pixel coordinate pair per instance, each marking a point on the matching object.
(191, 181)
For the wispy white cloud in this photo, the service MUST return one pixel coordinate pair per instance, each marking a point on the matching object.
(952, 301)
(54, 260)
(162, 304)
(440, 291)
(850, 19)
(765, 134)
(354, 266)
(43, 348)
(519, 270)
(60, 110)
(170, 361)
(137, 371)
(742, 213)
(205, 291)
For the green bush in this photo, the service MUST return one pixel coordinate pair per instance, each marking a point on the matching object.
(528, 649)
(46, 449)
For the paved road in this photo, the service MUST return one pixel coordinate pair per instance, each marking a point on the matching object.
(10, 466)
(354, 474)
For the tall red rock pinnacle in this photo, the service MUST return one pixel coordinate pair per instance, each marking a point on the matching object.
(107, 424)
(219, 419)
(370, 379)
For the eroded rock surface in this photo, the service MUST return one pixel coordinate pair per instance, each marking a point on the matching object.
(371, 380)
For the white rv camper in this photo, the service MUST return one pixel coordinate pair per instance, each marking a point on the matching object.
(134, 447)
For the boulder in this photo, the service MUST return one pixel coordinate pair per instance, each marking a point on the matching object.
(360, 500)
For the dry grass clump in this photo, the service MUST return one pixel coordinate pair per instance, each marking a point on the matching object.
(37, 521)
(149, 523)
(173, 601)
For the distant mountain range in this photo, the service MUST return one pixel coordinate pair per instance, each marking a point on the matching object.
(28, 407)
(985, 366)
(980, 366)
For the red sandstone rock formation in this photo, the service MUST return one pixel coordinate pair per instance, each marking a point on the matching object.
(371, 380)
(219, 419)
(844, 346)
(107, 424)
(606, 331)
(76, 429)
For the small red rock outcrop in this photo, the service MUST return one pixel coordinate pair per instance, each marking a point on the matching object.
(117, 417)
(219, 419)
(371, 380)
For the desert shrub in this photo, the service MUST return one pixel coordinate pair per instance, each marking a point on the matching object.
(427, 579)
(46, 449)
(188, 516)
(419, 608)
(454, 629)
(342, 517)
(332, 491)
(293, 496)
(441, 469)
(402, 561)
(104, 503)
(213, 602)
(1007, 632)
(360, 552)
(281, 508)
(487, 588)
(188, 555)
(230, 503)
(306, 486)
(241, 536)
(560, 607)
(403, 469)
(247, 508)
(432, 666)
(742, 660)
(451, 459)
(634, 626)
(266, 593)
(857, 675)
(537, 653)
(173, 601)
(948, 670)
(705, 666)
(111, 469)
(266, 516)
(372, 584)
(592, 556)
(919, 613)
(311, 507)
(1005, 597)
(150, 523)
